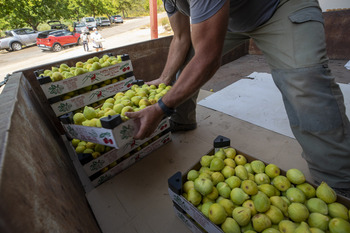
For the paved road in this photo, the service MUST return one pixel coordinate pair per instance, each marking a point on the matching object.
(131, 31)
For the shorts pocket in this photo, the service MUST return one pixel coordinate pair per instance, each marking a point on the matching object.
(307, 14)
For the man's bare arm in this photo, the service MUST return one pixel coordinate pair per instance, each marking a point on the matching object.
(178, 49)
(207, 38)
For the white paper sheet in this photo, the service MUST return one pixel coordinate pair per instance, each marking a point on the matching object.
(258, 101)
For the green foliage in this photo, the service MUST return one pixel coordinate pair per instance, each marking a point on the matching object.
(36, 13)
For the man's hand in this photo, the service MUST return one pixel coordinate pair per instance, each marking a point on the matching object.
(157, 82)
(147, 120)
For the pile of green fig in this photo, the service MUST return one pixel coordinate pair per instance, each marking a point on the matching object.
(63, 71)
(249, 196)
(132, 100)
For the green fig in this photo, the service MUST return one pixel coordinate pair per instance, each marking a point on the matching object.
(317, 205)
(230, 162)
(280, 204)
(268, 189)
(302, 228)
(213, 195)
(194, 197)
(241, 172)
(262, 178)
(230, 226)
(281, 183)
(230, 152)
(228, 205)
(298, 212)
(217, 177)
(287, 226)
(250, 204)
(307, 189)
(315, 230)
(187, 186)
(319, 221)
(295, 195)
(271, 230)
(217, 164)
(242, 215)
(248, 228)
(272, 170)
(258, 166)
(240, 159)
(233, 182)
(203, 185)
(326, 193)
(338, 225)
(261, 202)
(339, 210)
(205, 175)
(228, 171)
(249, 187)
(223, 189)
(217, 214)
(274, 214)
(205, 160)
(220, 154)
(192, 175)
(205, 208)
(261, 222)
(205, 170)
(295, 176)
(238, 196)
(248, 166)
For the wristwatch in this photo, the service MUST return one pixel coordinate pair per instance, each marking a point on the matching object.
(167, 111)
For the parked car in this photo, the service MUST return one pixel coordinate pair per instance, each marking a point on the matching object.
(56, 24)
(116, 19)
(57, 39)
(17, 38)
(80, 27)
(102, 21)
(90, 22)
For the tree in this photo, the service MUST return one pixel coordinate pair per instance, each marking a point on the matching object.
(21, 13)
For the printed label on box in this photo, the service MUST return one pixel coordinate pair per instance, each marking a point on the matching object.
(64, 86)
(120, 136)
(63, 107)
(91, 134)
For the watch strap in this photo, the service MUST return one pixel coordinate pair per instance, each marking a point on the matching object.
(167, 111)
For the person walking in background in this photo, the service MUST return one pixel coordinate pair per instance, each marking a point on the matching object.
(97, 40)
(85, 38)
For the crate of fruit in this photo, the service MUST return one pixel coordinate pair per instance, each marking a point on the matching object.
(101, 162)
(70, 88)
(93, 163)
(106, 123)
(230, 191)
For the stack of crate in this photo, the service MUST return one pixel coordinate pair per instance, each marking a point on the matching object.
(71, 95)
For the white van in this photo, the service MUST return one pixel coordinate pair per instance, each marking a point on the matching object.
(90, 22)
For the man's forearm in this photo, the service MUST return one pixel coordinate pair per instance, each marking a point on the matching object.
(176, 57)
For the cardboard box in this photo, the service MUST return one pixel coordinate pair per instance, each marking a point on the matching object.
(105, 159)
(162, 140)
(62, 107)
(117, 137)
(53, 89)
(188, 212)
